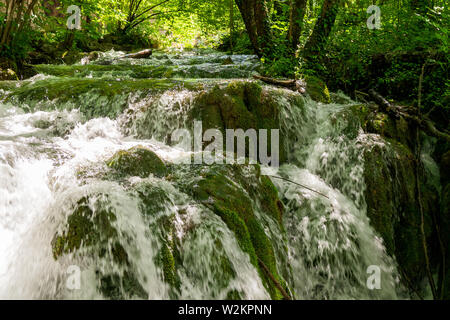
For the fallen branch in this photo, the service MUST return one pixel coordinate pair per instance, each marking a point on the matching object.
(300, 185)
(295, 85)
(277, 284)
(384, 104)
(424, 123)
(139, 55)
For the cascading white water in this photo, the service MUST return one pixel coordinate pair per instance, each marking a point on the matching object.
(329, 239)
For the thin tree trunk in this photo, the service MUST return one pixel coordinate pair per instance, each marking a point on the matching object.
(231, 24)
(298, 10)
(9, 20)
(18, 20)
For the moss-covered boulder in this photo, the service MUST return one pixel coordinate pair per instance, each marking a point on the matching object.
(317, 89)
(240, 105)
(393, 208)
(229, 192)
(90, 231)
(139, 162)
(397, 129)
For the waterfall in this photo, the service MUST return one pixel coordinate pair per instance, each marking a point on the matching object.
(59, 129)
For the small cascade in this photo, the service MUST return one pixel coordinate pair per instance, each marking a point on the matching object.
(65, 205)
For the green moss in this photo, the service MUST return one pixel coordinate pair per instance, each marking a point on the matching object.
(270, 200)
(232, 204)
(168, 263)
(90, 227)
(233, 295)
(85, 228)
(168, 257)
(239, 105)
(393, 208)
(317, 89)
(94, 97)
(138, 161)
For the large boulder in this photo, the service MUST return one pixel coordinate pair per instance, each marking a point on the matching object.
(228, 191)
(392, 197)
(137, 161)
(243, 105)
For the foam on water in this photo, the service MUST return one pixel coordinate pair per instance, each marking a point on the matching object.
(329, 239)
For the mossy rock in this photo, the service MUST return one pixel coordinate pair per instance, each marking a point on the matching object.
(317, 89)
(85, 228)
(139, 162)
(240, 105)
(393, 209)
(90, 231)
(154, 200)
(397, 129)
(227, 61)
(226, 191)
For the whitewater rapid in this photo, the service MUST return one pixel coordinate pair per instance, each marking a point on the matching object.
(329, 240)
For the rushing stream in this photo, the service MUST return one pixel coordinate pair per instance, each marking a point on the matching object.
(58, 129)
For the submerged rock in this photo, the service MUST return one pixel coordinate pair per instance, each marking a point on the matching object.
(90, 231)
(137, 161)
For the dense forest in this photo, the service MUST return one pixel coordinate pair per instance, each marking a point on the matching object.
(332, 39)
(91, 90)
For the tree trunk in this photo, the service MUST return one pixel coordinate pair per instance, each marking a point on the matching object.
(298, 10)
(322, 29)
(255, 16)
(9, 20)
(231, 24)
